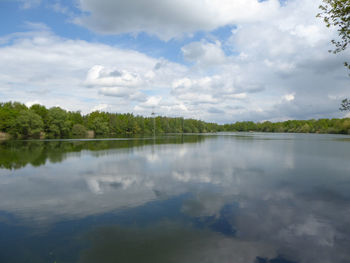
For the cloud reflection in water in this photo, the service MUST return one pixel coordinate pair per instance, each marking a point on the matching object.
(254, 198)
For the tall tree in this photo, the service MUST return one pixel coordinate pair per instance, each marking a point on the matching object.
(58, 125)
(336, 13)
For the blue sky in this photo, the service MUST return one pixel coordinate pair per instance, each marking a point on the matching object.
(58, 15)
(220, 60)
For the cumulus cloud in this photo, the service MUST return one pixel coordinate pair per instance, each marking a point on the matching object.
(115, 83)
(275, 66)
(100, 76)
(289, 97)
(168, 19)
(287, 55)
(77, 74)
(204, 53)
(214, 94)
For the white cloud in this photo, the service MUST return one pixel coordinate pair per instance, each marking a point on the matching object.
(204, 53)
(100, 107)
(216, 90)
(167, 18)
(100, 76)
(152, 101)
(289, 97)
(115, 83)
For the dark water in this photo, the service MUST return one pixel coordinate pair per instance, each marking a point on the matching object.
(250, 198)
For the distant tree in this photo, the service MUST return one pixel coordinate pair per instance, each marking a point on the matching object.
(345, 105)
(9, 111)
(305, 128)
(79, 130)
(75, 117)
(40, 110)
(27, 124)
(100, 126)
(58, 125)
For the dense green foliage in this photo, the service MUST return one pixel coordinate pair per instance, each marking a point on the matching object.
(336, 126)
(39, 122)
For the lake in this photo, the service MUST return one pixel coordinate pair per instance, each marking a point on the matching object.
(229, 197)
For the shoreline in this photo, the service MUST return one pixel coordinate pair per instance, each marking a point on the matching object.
(6, 136)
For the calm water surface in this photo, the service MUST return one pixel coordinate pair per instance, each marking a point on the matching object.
(244, 197)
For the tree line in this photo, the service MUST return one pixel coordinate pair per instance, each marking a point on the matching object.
(334, 126)
(37, 121)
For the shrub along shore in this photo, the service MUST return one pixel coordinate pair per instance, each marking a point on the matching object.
(19, 121)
